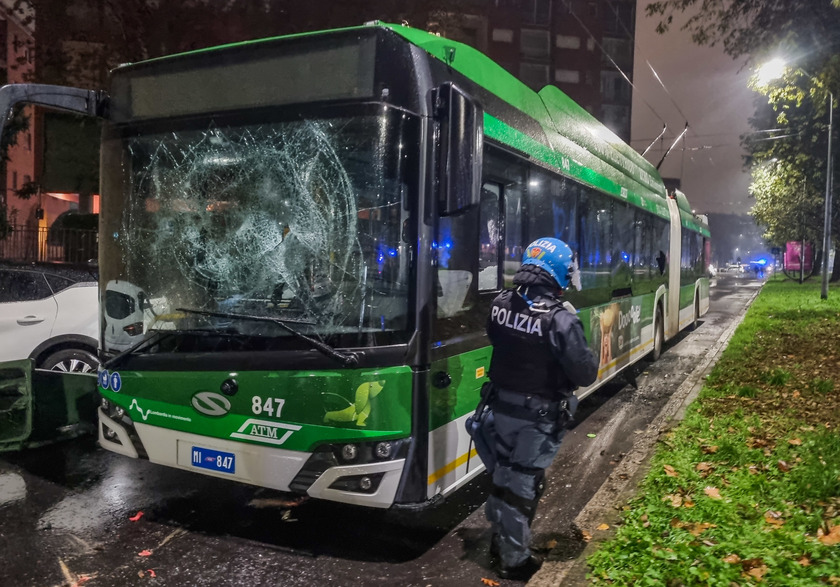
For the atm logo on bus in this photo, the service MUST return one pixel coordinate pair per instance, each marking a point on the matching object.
(265, 431)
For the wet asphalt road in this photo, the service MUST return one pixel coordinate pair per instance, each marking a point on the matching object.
(66, 510)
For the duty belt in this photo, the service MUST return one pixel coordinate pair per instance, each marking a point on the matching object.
(527, 407)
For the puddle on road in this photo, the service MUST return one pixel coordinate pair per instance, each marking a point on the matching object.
(12, 488)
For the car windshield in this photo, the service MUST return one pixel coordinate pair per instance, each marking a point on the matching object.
(298, 219)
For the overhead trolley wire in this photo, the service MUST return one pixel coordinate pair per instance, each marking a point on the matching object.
(655, 75)
(632, 37)
(612, 61)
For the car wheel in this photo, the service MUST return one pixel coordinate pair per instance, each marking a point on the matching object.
(71, 361)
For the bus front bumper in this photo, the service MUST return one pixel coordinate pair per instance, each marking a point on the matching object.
(263, 466)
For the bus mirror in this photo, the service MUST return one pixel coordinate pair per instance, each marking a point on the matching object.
(459, 149)
(74, 100)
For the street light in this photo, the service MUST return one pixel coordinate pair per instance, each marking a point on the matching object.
(774, 69)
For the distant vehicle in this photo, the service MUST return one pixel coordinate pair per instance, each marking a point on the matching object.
(50, 318)
(712, 270)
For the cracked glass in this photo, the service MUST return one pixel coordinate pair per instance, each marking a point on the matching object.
(299, 219)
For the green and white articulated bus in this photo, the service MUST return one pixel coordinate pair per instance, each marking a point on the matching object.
(300, 238)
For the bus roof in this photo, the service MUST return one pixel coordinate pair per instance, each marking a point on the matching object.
(577, 143)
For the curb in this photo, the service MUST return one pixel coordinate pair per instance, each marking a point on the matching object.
(621, 486)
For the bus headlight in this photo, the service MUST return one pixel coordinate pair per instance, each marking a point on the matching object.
(382, 450)
(349, 452)
(358, 483)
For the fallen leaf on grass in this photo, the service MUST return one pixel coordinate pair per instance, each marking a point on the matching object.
(144, 553)
(603, 527)
(489, 582)
(709, 449)
(774, 518)
(699, 527)
(694, 528)
(136, 516)
(676, 500)
(832, 537)
(758, 572)
(731, 559)
(804, 561)
(795, 441)
(703, 467)
(670, 471)
(712, 492)
(757, 442)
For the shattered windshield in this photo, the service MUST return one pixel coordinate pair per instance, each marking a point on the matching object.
(298, 219)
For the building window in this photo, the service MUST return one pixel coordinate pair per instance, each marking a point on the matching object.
(535, 11)
(535, 75)
(14, 180)
(534, 43)
(567, 76)
(567, 42)
(590, 44)
(614, 88)
(503, 35)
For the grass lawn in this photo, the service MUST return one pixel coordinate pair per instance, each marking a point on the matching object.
(746, 489)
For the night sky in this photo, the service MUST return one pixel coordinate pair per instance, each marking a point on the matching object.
(711, 92)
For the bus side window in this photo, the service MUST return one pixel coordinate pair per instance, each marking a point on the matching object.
(489, 237)
(661, 237)
(643, 243)
(552, 204)
(514, 218)
(457, 263)
(623, 248)
(507, 174)
(594, 235)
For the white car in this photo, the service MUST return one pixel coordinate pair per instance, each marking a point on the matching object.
(51, 318)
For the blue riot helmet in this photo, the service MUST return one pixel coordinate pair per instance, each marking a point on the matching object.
(554, 256)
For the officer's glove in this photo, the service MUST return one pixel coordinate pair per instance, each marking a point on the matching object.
(570, 307)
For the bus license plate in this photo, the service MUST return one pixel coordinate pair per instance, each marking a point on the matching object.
(215, 460)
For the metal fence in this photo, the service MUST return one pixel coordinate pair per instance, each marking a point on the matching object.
(26, 244)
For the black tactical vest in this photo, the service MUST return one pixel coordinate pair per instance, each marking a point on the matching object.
(522, 360)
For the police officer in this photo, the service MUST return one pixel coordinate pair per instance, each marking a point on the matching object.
(540, 356)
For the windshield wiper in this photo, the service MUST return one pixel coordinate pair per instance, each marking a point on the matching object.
(346, 359)
(156, 336)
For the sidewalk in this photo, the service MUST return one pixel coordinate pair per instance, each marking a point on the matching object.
(605, 506)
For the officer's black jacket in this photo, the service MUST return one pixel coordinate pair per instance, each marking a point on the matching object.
(538, 349)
